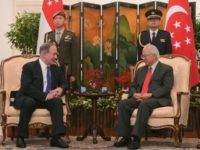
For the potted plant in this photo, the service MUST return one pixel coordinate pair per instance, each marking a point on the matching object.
(23, 33)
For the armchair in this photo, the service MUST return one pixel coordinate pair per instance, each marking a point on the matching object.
(174, 116)
(11, 70)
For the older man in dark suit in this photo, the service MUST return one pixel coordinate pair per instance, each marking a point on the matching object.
(149, 90)
(160, 38)
(42, 86)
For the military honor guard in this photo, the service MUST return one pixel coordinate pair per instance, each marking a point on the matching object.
(160, 38)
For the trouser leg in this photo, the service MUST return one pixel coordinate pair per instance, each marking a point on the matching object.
(125, 108)
(28, 106)
(145, 109)
(56, 111)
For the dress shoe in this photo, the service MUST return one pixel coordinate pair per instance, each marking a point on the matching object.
(198, 146)
(20, 142)
(135, 144)
(58, 143)
(123, 142)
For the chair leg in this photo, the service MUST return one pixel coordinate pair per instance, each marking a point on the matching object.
(181, 132)
(67, 125)
(176, 136)
(146, 133)
(13, 132)
(4, 127)
(67, 139)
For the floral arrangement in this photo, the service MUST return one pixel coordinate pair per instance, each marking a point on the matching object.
(93, 80)
(102, 103)
(124, 79)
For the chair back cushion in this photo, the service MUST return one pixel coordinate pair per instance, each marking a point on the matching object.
(11, 69)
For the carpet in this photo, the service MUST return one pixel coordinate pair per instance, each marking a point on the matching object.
(152, 143)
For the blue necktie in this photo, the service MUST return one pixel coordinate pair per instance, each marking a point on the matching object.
(48, 88)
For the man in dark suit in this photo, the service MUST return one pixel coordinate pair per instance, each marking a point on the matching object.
(66, 44)
(42, 86)
(149, 90)
(160, 38)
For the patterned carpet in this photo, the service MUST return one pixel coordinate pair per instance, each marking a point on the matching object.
(152, 143)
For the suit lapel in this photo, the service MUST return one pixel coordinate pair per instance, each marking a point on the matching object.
(149, 37)
(158, 36)
(52, 76)
(39, 72)
(143, 75)
(156, 71)
(63, 36)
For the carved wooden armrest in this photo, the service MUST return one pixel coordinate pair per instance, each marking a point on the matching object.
(179, 95)
(120, 95)
(3, 93)
(67, 96)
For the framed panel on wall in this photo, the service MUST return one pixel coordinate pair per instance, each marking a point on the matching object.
(127, 36)
(142, 10)
(91, 36)
(91, 45)
(68, 16)
(109, 44)
(75, 26)
(163, 8)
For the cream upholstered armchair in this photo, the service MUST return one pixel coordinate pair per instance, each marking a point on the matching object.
(175, 116)
(11, 70)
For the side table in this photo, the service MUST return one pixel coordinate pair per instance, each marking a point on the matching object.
(93, 128)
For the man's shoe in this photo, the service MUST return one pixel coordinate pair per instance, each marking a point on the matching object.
(123, 142)
(58, 143)
(20, 142)
(198, 146)
(135, 144)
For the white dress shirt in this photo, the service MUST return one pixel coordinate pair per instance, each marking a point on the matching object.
(151, 33)
(153, 67)
(44, 74)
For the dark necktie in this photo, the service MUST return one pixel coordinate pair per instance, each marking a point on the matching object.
(48, 88)
(147, 79)
(153, 36)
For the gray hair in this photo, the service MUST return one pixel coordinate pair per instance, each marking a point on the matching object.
(152, 49)
(45, 47)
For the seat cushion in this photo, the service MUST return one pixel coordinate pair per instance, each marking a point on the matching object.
(160, 112)
(11, 111)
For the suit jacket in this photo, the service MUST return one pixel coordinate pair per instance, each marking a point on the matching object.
(160, 85)
(32, 83)
(67, 48)
(162, 42)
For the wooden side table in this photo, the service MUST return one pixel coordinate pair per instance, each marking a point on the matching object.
(94, 129)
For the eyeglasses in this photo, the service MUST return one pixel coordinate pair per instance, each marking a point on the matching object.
(144, 56)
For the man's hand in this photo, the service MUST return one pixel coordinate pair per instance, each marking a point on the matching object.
(58, 91)
(137, 96)
(54, 93)
(72, 79)
(142, 96)
(50, 96)
(146, 95)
